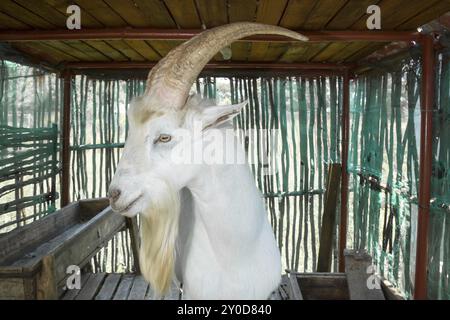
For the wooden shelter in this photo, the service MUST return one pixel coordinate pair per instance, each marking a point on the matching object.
(124, 39)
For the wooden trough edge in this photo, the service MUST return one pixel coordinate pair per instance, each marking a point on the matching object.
(359, 282)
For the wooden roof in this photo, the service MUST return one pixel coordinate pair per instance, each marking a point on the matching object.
(193, 14)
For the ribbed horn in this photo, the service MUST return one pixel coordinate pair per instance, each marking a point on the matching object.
(169, 82)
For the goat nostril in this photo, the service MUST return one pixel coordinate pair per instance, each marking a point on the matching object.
(114, 194)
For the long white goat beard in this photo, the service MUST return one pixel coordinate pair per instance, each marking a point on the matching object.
(159, 232)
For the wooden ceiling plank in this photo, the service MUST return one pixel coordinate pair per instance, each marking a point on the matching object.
(126, 50)
(163, 47)
(213, 12)
(240, 51)
(107, 50)
(328, 52)
(7, 22)
(156, 13)
(403, 13)
(241, 11)
(348, 51)
(394, 13)
(144, 49)
(269, 12)
(36, 51)
(60, 56)
(23, 15)
(296, 13)
(322, 13)
(184, 13)
(352, 11)
(295, 50)
(437, 10)
(86, 19)
(364, 52)
(312, 50)
(257, 51)
(91, 52)
(275, 51)
(68, 49)
(45, 11)
(129, 12)
(102, 12)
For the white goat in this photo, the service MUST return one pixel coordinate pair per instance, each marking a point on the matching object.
(203, 221)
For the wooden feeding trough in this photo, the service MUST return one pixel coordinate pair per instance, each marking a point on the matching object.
(359, 282)
(355, 284)
(34, 258)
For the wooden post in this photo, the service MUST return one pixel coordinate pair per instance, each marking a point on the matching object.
(328, 220)
(135, 241)
(296, 293)
(65, 150)
(363, 284)
(426, 149)
(54, 163)
(344, 179)
(46, 284)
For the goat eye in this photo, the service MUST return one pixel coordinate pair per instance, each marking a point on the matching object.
(164, 138)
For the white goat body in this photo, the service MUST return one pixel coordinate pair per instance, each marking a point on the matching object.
(226, 248)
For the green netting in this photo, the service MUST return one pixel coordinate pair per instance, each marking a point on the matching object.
(439, 240)
(29, 114)
(384, 169)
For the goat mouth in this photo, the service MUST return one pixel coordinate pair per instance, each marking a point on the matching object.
(130, 205)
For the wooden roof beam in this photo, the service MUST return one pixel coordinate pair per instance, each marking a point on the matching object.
(185, 34)
(212, 66)
(143, 73)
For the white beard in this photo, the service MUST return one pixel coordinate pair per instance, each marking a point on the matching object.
(159, 231)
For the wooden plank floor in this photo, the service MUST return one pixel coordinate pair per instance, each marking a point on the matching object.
(116, 286)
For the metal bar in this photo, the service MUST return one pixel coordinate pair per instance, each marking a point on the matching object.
(426, 149)
(125, 74)
(344, 173)
(65, 150)
(180, 34)
(213, 65)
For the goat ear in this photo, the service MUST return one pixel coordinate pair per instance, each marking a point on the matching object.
(216, 115)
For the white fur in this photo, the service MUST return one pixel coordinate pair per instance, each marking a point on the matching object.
(226, 248)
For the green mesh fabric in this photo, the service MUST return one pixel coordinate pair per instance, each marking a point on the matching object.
(30, 101)
(384, 169)
(439, 238)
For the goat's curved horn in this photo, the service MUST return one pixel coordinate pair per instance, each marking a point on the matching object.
(171, 79)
